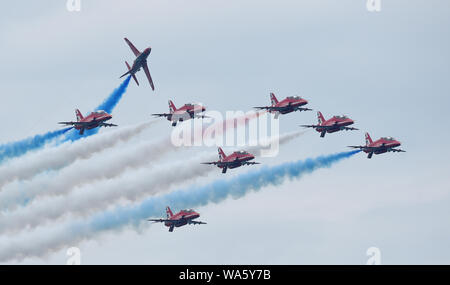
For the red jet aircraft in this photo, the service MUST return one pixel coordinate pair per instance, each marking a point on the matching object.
(287, 105)
(94, 120)
(382, 145)
(336, 123)
(186, 112)
(236, 159)
(139, 62)
(181, 218)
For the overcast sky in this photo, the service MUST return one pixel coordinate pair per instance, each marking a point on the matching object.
(387, 70)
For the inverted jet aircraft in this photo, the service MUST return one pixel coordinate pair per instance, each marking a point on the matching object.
(139, 62)
(183, 217)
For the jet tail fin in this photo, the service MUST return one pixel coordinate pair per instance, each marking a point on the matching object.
(129, 72)
(368, 139)
(79, 115)
(320, 117)
(172, 107)
(273, 99)
(135, 79)
(169, 212)
(221, 154)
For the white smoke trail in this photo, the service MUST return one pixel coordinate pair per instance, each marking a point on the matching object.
(44, 241)
(98, 196)
(81, 173)
(85, 171)
(55, 158)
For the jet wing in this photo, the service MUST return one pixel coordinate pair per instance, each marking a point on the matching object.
(314, 126)
(303, 109)
(108, 125)
(250, 163)
(361, 147)
(364, 147)
(368, 148)
(396, 150)
(160, 220)
(274, 108)
(196, 223)
(214, 162)
(149, 77)
(270, 108)
(225, 164)
(201, 116)
(75, 123)
(162, 115)
(222, 164)
(68, 123)
(349, 129)
(327, 127)
(133, 48)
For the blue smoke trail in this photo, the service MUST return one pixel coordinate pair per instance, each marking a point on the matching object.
(18, 148)
(215, 192)
(107, 105)
(194, 196)
(111, 102)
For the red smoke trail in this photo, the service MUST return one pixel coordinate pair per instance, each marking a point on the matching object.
(228, 124)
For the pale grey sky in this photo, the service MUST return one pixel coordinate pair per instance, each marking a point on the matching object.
(388, 70)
